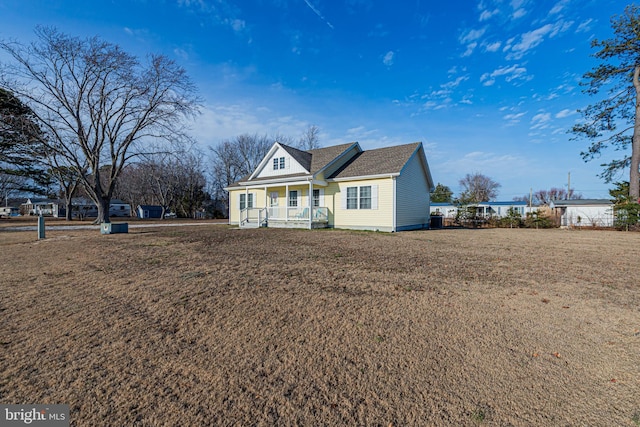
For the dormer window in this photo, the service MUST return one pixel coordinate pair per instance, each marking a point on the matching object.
(278, 163)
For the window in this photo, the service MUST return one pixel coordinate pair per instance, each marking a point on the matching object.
(316, 198)
(293, 198)
(352, 197)
(365, 197)
(246, 201)
(278, 163)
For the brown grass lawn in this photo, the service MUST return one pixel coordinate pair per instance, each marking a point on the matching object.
(211, 325)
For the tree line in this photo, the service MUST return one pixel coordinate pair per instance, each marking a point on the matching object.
(86, 117)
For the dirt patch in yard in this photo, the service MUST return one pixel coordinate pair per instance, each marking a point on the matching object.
(219, 326)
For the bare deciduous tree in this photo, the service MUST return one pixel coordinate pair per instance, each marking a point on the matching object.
(99, 105)
(478, 188)
(310, 138)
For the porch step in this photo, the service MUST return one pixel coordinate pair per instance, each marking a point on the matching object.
(252, 224)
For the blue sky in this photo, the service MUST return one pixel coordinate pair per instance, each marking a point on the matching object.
(488, 86)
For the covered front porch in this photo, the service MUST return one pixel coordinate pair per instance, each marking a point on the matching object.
(292, 205)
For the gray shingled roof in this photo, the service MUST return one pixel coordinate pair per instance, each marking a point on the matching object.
(388, 160)
(379, 161)
(321, 157)
(302, 157)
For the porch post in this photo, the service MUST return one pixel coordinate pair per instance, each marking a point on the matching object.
(246, 202)
(310, 204)
(286, 203)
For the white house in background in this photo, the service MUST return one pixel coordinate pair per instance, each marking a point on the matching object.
(44, 207)
(343, 186)
(482, 210)
(585, 212)
(80, 207)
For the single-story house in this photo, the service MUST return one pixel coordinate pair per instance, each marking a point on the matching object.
(343, 186)
(9, 211)
(584, 212)
(44, 207)
(149, 211)
(482, 210)
(80, 207)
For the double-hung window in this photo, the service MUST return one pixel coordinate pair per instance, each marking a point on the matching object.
(293, 198)
(352, 197)
(278, 163)
(365, 197)
(360, 197)
(246, 200)
(316, 198)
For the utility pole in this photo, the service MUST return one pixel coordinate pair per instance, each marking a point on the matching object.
(569, 186)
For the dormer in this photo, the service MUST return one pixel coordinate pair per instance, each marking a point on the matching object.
(283, 160)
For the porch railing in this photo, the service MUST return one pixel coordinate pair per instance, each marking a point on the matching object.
(298, 213)
(255, 216)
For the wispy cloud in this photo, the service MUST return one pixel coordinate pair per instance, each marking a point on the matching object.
(534, 38)
(492, 47)
(540, 121)
(387, 59)
(558, 7)
(585, 26)
(513, 118)
(488, 14)
(565, 113)
(518, 10)
(470, 39)
(317, 12)
(511, 73)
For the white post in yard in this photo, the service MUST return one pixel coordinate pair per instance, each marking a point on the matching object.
(40, 227)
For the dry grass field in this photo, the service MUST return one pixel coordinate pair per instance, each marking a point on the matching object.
(211, 325)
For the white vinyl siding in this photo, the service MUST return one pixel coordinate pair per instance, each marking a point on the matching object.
(280, 163)
(412, 196)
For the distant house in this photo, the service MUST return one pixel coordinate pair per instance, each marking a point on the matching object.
(482, 210)
(44, 207)
(149, 211)
(343, 186)
(80, 207)
(83, 207)
(9, 211)
(584, 212)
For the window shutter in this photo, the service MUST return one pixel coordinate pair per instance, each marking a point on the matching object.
(343, 197)
(321, 201)
(374, 197)
(298, 197)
